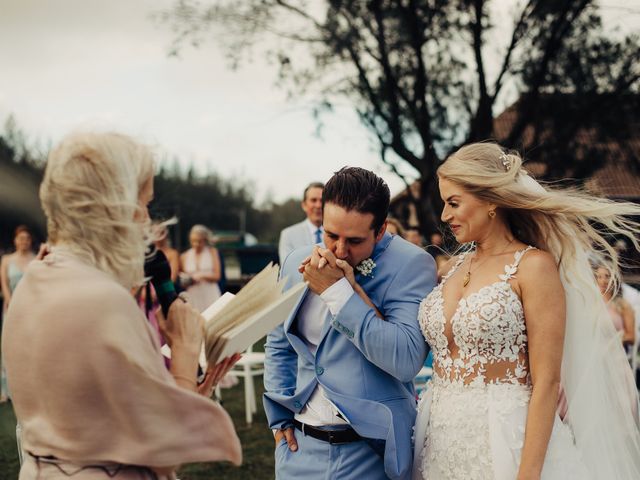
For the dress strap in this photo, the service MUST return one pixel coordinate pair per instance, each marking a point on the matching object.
(511, 269)
(452, 270)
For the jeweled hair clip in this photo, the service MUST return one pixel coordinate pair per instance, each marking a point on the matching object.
(506, 161)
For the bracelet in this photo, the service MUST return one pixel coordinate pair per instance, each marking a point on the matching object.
(187, 379)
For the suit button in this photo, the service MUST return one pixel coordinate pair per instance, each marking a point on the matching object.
(297, 404)
(319, 370)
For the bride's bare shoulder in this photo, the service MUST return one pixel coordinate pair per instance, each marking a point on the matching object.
(536, 263)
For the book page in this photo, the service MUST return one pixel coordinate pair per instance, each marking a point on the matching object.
(261, 290)
(257, 326)
(249, 315)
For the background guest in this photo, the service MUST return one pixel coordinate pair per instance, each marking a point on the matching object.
(161, 242)
(436, 249)
(114, 410)
(412, 234)
(12, 268)
(309, 231)
(394, 227)
(13, 265)
(620, 311)
(146, 295)
(200, 269)
(629, 293)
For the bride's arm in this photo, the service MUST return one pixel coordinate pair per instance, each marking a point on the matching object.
(349, 274)
(544, 309)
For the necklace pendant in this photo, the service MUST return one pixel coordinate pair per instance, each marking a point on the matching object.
(466, 279)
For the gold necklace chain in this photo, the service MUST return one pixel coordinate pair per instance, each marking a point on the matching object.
(467, 276)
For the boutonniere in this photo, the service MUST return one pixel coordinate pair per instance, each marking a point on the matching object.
(366, 267)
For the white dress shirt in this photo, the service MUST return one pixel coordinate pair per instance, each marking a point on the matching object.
(311, 320)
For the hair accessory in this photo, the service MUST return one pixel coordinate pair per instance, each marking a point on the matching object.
(506, 162)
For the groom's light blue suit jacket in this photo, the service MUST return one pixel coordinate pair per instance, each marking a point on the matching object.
(365, 365)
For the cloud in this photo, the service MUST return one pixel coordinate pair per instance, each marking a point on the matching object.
(104, 65)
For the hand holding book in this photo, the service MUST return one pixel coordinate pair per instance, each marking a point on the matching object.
(234, 323)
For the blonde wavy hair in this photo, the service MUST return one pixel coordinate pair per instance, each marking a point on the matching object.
(557, 220)
(203, 232)
(90, 198)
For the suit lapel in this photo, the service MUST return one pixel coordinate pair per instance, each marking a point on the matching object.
(296, 342)
(325, 327)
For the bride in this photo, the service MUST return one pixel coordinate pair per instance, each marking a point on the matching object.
(517, 319)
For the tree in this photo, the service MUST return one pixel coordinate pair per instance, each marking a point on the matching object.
(424, 76)
(20, 175)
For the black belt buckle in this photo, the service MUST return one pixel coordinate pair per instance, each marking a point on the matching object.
(333, 437)
(333, 440)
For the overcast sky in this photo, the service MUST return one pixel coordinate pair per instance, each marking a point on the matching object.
(103, 64)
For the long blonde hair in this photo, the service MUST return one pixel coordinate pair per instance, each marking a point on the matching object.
(557, 220)
(90, 198)
(570, 224)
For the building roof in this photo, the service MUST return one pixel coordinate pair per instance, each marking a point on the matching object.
(618, 176)
(601, 141)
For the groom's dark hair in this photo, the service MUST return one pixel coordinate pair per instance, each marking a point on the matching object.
(354, 188)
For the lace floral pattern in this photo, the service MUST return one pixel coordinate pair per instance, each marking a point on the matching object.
(488, 330)
(481, 375)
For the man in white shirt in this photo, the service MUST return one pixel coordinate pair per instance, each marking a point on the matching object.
(339, 371)
(308, 231)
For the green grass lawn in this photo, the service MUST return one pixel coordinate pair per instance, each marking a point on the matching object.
(9, 465)
(257, 443)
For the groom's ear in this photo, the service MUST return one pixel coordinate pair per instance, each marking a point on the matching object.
(383, 229)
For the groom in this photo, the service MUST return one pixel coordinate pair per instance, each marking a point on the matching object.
(338, 379)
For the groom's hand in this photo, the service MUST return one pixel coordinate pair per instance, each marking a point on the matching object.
(289, 436)
(319, 273)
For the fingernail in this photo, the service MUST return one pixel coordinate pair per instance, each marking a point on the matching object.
(294, 448)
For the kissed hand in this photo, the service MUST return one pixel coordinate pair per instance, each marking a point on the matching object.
(321, 271)
(348, 271)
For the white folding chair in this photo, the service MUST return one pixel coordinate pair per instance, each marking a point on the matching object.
(250, 365)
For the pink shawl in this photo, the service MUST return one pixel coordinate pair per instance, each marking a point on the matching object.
(88, 381)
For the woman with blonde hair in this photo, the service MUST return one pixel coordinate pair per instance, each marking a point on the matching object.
(200, 269)
(516, 316)
(620, 311)
(89, 384)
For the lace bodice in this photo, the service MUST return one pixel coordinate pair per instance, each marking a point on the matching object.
(485, 340)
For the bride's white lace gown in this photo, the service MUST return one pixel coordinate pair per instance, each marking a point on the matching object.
(472, 416)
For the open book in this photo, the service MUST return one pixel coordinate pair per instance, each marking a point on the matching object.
(235, 322)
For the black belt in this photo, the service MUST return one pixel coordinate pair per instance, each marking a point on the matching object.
(347, 435)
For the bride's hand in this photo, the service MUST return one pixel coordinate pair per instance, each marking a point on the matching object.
(348, 271)
(304, 263)
(351, 278)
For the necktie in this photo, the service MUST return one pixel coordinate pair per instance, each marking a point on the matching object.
(318, 235)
